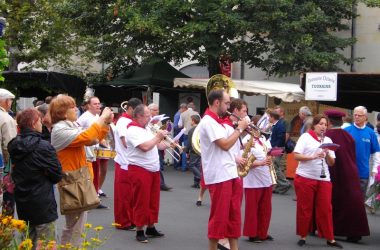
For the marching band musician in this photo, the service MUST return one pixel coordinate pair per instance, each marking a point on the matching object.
(312, 183)
(238, 108)
(144, 172)
(258, 192)
(122, 184)
(220, 171)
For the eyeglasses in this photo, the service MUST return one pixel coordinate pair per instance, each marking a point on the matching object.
(358, 115)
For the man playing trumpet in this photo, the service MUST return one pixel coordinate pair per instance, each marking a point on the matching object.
(144, 172)
(220, 171)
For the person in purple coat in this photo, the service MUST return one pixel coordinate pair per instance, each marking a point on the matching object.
(349, 215)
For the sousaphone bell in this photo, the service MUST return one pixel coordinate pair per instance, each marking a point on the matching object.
(218, 81)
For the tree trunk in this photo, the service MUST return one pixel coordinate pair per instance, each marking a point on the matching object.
(213, 66)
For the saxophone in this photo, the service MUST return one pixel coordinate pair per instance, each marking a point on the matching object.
(243, 170)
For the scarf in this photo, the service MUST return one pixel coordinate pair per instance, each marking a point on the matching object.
(314, 135)
(63, 133)
(126, 115)
(134, 124)
(215, 117)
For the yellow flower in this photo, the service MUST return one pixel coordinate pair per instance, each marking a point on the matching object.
(86, 243)
(88, 225)
(26, 245)
(51, 245)
(116, 224)
(98, 228)
(97, 240)
(68, 246)
(6, 220)
(20, 225)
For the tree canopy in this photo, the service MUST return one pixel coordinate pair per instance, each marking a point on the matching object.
(281, 37)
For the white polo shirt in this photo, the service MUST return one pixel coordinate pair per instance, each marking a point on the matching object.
(87, 119)
(148, 160)
(258, 177)
(307, 145)
(121, 150)
(218, 165)
(235, 149)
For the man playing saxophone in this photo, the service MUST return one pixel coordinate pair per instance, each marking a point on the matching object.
(220, 171)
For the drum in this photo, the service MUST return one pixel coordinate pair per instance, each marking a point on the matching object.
(105, 153)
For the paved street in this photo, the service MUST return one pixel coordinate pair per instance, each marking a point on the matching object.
(185, 225)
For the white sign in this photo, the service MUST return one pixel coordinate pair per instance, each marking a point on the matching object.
(321, 86)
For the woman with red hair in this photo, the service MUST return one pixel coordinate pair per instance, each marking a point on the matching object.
(36, 169)
(69, 141)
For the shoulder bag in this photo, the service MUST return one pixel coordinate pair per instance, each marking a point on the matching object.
(77, 192)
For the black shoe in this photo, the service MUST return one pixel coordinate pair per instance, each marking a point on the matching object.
(198, 203)
(221, 247)
(153, 233)
(255, 239)
(103, 195)
(130, 228)
(101, 206)
(353, 239)
(284, 190)
(301, 242)
(140, 236)
(334, 244)
(270, 238)
(195, 186)
(165, 188)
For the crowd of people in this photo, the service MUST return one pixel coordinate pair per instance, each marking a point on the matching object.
(239, 158)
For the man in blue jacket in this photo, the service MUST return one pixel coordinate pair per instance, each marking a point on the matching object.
(277, 139)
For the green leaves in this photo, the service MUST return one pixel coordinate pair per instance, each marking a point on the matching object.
(281, 37)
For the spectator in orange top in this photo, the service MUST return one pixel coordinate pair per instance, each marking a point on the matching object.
(69, 142)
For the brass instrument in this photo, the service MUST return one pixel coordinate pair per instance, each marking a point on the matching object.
(257, 132)
(218, 81)
(169, 142)
(123, 105)
(243, 170)
(272, 171)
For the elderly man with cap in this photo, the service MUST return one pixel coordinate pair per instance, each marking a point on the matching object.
(349, 215)
(8, 131)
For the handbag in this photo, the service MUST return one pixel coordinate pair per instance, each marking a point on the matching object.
(289, 146)
(77, 192)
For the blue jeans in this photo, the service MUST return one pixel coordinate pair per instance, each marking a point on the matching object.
(184, 160)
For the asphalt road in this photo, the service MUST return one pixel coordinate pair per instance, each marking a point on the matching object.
(185, 224)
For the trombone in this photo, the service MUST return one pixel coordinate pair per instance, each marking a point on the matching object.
(171, 145)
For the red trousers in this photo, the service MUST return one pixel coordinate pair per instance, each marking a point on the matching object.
(258, 211)
(314, 195)
(95, 169)
(225, 214)
(123, 213)
(146, 195)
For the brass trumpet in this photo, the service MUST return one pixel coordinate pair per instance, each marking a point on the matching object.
(255, 130)
(169, 142)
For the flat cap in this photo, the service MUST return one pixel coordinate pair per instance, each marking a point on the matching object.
(6, 94)
(334, 113)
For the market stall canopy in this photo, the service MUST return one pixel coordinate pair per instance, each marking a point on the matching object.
(288, 92)
(43, 83)
(158, 74)
(355, 89)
